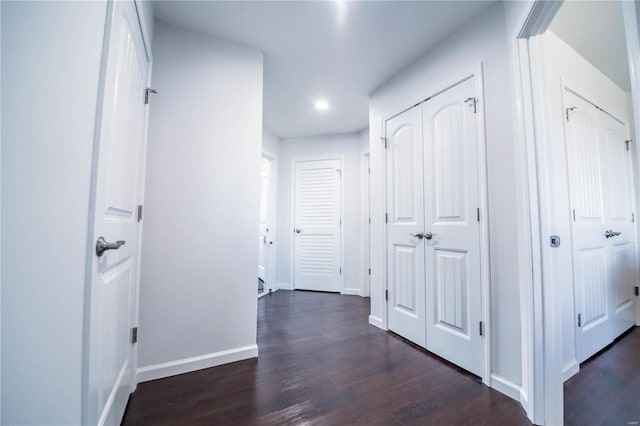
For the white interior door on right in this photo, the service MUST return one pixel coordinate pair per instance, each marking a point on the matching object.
(317, 223)
(452, 227)
(605, 265)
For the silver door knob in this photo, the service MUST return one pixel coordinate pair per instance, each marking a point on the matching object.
(297, 230)
(428, 235)
(418, 235)
(611, 233)
(102, 246)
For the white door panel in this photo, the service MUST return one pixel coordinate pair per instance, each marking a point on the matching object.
(121, 142)
(601, 192)
(317, 236)
(454, 294)
(405, 206)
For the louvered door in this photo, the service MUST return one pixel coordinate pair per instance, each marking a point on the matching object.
(317, 225)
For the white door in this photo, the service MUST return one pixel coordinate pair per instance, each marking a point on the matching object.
(601, 191)
(264, 239)
(121, 140)
(317, 225)
(452, 230)
(405, 224)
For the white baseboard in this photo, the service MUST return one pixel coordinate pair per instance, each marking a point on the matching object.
(376, 322)
(506, 387)
(352, 291)
(283, 286)
(569, 369)
(186, 365)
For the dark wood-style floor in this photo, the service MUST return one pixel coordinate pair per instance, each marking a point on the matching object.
(322, 364)
(606, 391)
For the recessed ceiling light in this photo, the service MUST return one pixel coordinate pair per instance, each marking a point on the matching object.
(322, 105)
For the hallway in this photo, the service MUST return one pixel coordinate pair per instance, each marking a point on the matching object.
(322, 363)
(607, 388)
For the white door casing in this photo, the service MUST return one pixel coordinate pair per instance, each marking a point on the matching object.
(110, 372)
(317, 225)
(264, 240)
(601, 193)
(452, 183)
(405, 221)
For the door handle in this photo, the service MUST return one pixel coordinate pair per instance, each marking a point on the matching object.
(419, 235)
(429, 235)
(297, 230)
(102, 246)
(611, 233)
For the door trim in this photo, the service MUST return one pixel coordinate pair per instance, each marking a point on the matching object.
(273, 218)
(292, 211)
(473, 71)
(542, 389)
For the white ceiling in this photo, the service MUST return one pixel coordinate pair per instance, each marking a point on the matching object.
(337, 50)
(595, 29)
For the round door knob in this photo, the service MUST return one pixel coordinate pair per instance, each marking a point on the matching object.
(297, 230)
(418, 235)
(428, 235)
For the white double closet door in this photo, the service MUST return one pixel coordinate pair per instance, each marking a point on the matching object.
(605, 262)
(433, 230)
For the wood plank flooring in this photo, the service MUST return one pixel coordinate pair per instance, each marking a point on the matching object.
(321, 363)
(606, 391)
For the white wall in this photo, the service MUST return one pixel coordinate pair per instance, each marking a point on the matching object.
(200, 251)
(325, 146)
(51, 59)
(482, 39)
(363, 140)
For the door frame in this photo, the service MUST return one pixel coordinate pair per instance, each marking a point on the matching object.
(542, 378)
(365, 211)
(292, 269)
(472, 71)
(272, 215)
(91, 238)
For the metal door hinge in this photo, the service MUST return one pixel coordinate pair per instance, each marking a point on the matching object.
(637, 291)
(369, 221)
(134, 335)
(574, 215)
(628, 144)
(139, 212)
(567, 110)
(370, 273)
(386, 295)
(554, 241)
(386, 218)
(340, 221)
(478, 213)
(339, 172)
(341, 270)
(633, 217)
(481, 328)
(475, 101)
(148, 92)
(384, 140)
(579, 320)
